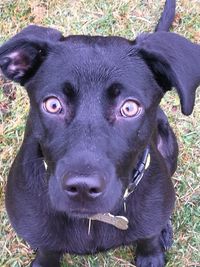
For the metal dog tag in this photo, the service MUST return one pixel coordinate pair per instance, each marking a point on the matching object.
(119, 222)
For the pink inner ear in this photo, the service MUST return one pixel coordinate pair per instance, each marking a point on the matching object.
(20, 61)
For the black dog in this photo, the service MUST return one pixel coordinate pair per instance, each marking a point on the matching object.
(94, 170)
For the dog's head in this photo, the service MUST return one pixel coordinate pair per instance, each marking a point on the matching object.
(94, 102)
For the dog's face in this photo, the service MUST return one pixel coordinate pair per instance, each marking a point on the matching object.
(93, 108)
(92, 117)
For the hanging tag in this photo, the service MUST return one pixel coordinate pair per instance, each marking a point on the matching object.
(119, 222)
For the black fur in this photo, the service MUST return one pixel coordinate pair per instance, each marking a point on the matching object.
(90, 148)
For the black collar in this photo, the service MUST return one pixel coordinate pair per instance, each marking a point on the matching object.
(138, 173)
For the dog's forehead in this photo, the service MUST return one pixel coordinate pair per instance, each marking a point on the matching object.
(82, 52)
(86, 51)
(94, 57)
(95, 63)
(98, 43)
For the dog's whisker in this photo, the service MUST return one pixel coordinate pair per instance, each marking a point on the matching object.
(125, 207)
(89, 225)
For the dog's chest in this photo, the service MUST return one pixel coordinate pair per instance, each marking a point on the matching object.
(100, 237)
(75, 237)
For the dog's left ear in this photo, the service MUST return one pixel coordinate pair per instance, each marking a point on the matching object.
(175, 62)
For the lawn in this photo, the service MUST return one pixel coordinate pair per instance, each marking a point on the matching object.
(125, 18)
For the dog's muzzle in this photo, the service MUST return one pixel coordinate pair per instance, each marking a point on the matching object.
(121, 222)
(81, 188)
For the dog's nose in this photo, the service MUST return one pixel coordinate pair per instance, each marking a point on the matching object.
(84, 187)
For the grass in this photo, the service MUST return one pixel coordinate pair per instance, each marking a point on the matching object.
(126, 18)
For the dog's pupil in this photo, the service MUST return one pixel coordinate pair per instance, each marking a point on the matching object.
(54, 106)
(129, 108)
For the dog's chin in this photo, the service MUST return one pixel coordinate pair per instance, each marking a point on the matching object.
(87, 213)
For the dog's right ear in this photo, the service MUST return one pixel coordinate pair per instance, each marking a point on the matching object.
(23, 54)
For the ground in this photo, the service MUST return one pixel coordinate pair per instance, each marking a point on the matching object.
(125, 18)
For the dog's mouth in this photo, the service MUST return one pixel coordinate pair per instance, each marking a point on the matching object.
(118, 221)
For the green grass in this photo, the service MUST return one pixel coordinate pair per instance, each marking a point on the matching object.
(126, 18)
